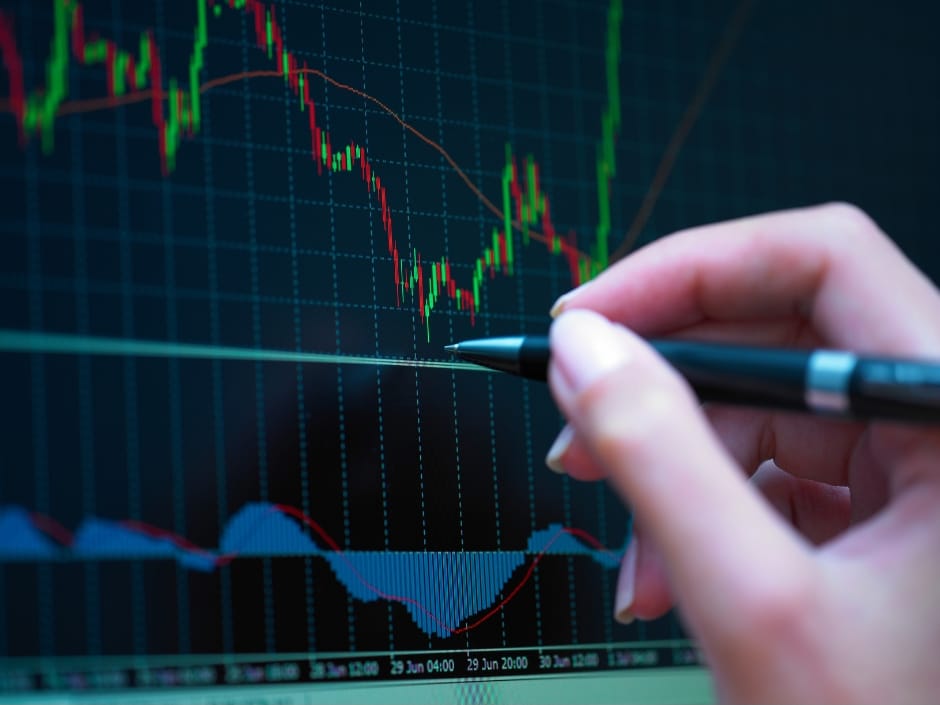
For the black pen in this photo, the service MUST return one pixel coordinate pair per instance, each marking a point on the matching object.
(831, 382)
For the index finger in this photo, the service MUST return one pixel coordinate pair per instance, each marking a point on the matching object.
(829, 266)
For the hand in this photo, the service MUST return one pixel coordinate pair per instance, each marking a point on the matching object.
(816, 579)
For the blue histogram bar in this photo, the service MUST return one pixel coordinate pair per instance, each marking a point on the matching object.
(441, 590)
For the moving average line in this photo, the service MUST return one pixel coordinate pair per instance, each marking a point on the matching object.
(176, 115)
(531, 215)
(70, 344)
(91, 105)
(720, 54)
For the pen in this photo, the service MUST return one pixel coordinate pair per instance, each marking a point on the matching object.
(831, 382)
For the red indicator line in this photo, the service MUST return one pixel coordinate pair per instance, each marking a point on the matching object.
(64, 537)
(133, 77)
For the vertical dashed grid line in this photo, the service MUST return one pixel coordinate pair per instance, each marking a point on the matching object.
(261, 432)
(600, 489)
(518, 267)
(86, 433)
(177, 464)
(304, 451)
(460, 526)
(334, 275)
(530, 472)
(546, 175)
(484, 308)
(574, 14)
(383, 470)
(481, 223)
(600, 494)
(569, 560)
(471, 33)
(444, 171)
(414, 336)
(218, 412)
(129, 364)
(519, 270)
(545, 113)
(37, 363)
(520, 292)
(444, 222)
(582, 174)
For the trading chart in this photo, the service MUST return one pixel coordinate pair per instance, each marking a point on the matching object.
(236, 236)
(243, 232)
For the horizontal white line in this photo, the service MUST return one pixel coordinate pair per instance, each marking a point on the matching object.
(71, 344)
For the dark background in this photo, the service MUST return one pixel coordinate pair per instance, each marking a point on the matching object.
(819, 101)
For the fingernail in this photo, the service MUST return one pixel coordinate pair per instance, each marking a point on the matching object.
(558, 449)
(559, 305)
(626, 584)
(563, 300)
(586, 346)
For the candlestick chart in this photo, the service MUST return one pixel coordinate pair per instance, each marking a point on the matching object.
(236, 236)
(176, 114)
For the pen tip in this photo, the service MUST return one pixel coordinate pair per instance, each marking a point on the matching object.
(451, 348)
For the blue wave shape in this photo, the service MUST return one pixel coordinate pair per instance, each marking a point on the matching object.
(554, 540)
(441, 590)
(20, 539)
(259, 529)
(102, 539)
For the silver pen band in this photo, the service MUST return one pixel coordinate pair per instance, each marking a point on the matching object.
(828, 374)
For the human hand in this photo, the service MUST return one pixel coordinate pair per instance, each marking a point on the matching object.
(824, 588)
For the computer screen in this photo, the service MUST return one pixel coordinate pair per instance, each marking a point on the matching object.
(237, 464)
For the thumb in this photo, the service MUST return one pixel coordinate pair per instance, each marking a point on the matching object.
(720, 541)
